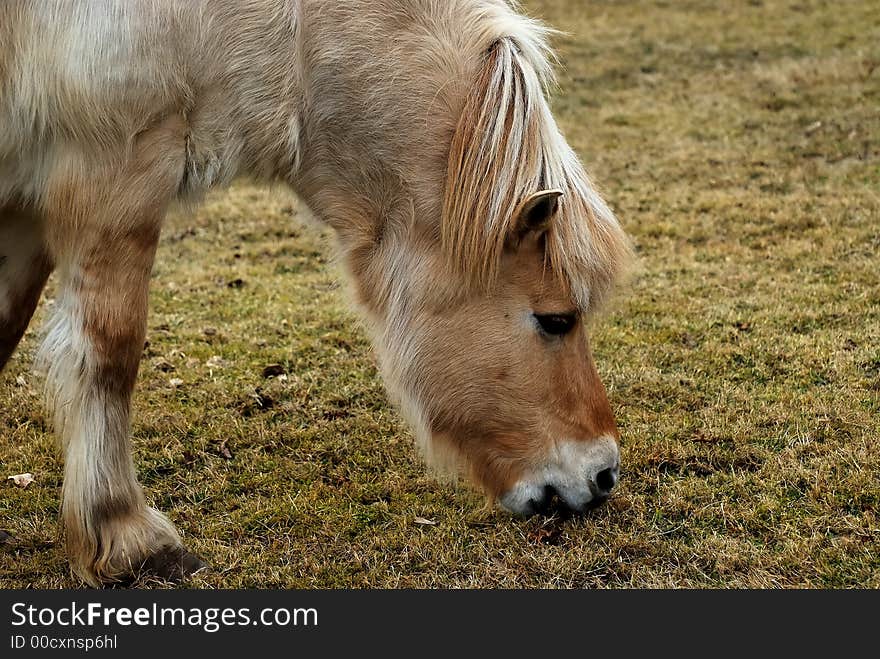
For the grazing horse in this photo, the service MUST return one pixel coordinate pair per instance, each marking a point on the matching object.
(418, 130)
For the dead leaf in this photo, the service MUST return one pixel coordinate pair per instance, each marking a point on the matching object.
(546, 536)
(224, 450)
(273, 370)
(254, 402)
(21, 480)
(424, 522)
(175, 382)
(163, 365)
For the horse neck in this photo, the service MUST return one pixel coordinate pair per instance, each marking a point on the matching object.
(247, 116)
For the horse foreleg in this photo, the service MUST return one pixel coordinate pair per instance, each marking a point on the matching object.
(24, 267)
(104, 241)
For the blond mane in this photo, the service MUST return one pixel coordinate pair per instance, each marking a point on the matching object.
(506, 147)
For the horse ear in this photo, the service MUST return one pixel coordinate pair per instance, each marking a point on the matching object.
(535, 215)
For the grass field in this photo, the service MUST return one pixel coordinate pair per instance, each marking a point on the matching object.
(739, 144)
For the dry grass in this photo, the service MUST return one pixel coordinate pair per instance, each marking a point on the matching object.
(740, 145)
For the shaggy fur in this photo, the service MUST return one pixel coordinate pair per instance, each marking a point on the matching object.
(417, 129)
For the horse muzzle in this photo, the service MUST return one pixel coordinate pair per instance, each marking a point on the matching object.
(578, 476)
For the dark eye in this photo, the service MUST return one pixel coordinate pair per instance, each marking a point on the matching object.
(556, 324)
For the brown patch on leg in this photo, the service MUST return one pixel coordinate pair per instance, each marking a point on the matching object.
(111, 531)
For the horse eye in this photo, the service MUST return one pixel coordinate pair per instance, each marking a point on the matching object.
(556, 324)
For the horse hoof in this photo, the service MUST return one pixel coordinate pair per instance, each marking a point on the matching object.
(174, 564)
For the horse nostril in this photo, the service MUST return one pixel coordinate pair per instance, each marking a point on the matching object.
(542, 506)
(606, 480)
